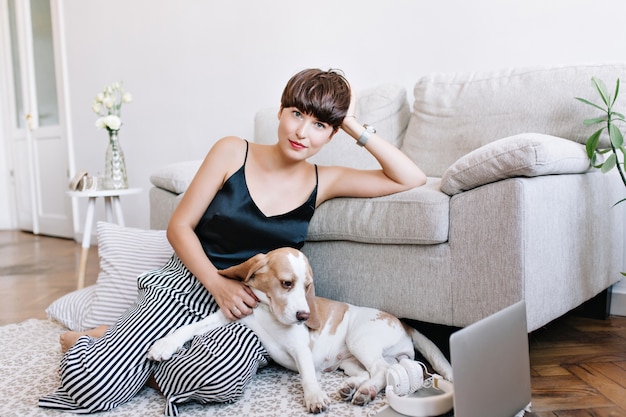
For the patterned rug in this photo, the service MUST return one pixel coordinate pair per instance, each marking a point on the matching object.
(30, 354)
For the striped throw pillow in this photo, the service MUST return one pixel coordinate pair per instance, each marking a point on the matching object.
(125, 253)
(70, 309)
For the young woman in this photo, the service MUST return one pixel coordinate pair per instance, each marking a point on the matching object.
(245, 199)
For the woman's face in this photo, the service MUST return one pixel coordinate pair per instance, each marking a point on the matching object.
(302, 133)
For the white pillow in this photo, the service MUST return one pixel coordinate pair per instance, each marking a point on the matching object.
(525, 155)
(125, 253)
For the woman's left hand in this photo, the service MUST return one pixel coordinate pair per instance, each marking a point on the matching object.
(351, 111)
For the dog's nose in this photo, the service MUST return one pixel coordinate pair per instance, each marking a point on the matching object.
(303, 315)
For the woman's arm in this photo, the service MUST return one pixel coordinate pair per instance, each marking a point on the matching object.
(398, 173)
(224, 158)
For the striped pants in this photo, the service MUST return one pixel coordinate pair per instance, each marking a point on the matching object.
(101, 374)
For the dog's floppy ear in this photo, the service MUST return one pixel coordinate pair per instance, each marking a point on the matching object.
(246, 269)
(314, 320)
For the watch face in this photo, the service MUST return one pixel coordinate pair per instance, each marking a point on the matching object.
(369, 128)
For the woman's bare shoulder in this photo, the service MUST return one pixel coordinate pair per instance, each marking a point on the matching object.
(224, 157)
(228, 144)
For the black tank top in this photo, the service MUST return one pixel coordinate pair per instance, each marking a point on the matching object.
(234, 229)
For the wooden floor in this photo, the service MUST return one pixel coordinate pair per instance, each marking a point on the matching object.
(578, 365)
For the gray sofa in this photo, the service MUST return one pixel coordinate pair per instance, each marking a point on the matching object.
(510, 211)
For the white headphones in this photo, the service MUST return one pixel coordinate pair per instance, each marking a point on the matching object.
(407, 378)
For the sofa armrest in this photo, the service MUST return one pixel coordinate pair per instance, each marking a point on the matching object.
(558, 238)
(524, 155)
(162, 205)
(175, 177)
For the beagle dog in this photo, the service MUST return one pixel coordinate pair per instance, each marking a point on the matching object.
(309, 334)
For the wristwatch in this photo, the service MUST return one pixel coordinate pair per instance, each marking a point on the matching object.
(366, 135)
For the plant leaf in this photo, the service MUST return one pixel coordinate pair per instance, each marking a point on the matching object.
(616, 92)
(592, 143)
(594, 121)
(618, 116)
(599, 84)
(616, 136)
(609, 164)
(590, 103)
(621, 201)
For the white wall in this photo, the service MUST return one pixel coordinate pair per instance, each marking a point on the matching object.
(199, 69)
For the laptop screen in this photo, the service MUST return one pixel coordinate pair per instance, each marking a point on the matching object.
(491, 366)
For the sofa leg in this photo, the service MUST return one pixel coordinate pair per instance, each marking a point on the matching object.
(599, 307)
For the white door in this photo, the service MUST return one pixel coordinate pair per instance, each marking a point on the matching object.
(37, 141)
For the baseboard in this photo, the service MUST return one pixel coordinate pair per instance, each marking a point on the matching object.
(618, 299)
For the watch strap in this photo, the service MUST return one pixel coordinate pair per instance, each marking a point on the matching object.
(366, 135)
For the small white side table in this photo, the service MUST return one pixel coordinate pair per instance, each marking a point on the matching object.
(111, 202)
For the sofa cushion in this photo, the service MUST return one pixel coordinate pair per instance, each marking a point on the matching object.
(175, 177)
(417, 216)
(525, 155)
(385, 107)
(454, 114)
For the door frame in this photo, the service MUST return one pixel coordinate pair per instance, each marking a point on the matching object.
(8, 214)
(63, 96)
(8, 114)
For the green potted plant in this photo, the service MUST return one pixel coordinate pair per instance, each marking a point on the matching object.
(616, 139)
(608, 121)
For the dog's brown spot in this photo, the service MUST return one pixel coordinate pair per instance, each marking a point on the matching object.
(331, 313)
(392, 321)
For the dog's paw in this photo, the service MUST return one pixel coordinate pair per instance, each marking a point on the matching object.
(163, 349)
(316, 402)
(357, 393)
(347, 391)
(364, 395)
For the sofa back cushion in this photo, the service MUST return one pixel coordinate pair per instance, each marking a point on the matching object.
(454, 114)
(385, 107)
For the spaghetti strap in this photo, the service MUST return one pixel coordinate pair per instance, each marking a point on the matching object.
(316, 176)
(246, 156)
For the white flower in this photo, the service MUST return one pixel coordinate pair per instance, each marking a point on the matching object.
(108, 106)
(113, 122)
(108, 102)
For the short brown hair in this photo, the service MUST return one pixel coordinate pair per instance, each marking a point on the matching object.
(323, 94)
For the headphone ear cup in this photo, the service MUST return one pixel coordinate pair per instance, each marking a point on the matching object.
(398, 379)
(415, 374)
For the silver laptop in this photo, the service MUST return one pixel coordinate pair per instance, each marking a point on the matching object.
(490, 365)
